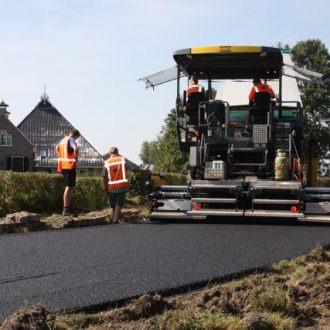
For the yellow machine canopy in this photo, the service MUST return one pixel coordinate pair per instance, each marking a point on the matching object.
(230, 62)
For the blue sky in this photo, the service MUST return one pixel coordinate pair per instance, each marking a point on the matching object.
(90, 54)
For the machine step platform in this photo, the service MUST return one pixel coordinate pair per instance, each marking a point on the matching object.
(204, 213)
(276, 185)
(260, 201)
(214, 200)
(215, 184)
(169, 215)
(273, 214)
(321, 219)
(216, 212)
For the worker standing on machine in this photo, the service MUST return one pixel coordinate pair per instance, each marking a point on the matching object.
(259, 87)
(67, 153)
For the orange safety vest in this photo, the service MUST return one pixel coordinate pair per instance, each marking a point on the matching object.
(117, 172)
(259, 89)
(194, 89)
(66, 160)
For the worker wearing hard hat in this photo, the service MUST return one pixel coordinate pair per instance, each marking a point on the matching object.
(259, 87)
(67, 153)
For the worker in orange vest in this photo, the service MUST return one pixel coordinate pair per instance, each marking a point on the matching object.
(192, 110)
(259, 87)
(115, 181)
(194, 87)
(67, 153)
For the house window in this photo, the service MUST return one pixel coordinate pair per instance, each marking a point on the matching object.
(9, 140)
(6, 139)
(43, 152)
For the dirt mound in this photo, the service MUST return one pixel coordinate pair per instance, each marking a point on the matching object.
(142, 307)
(318, 254)
(32, 318)
(23, 217)
(255, 321)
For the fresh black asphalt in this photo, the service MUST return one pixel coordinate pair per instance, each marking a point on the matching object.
(77, 268)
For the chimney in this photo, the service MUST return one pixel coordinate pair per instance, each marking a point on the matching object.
(3, 110)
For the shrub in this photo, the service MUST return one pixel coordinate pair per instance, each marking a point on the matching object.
(32, 192)
(176, 179)
(138, 184)
(42, 192)
(3, 206)
(89, 195)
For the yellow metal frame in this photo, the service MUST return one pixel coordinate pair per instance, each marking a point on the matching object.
(225, 49)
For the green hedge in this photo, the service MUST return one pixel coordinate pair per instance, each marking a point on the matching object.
(42, 192)
(138, 185)
(176, 179)
(138, 182)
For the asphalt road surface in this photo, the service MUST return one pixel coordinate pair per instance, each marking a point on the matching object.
(78, 268)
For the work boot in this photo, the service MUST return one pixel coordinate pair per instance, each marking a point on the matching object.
(66, 212)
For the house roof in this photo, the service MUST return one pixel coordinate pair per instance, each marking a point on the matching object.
(45, 126)
(14, 128)
(3, 104)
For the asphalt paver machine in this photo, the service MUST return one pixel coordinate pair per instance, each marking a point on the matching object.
(245, 160)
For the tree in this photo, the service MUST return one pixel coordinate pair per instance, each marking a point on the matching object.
(164, 152)
(313, 55)
(170, 158)
(148, 153)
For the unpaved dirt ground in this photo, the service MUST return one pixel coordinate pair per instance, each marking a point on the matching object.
(136, 209)
(292, 294)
